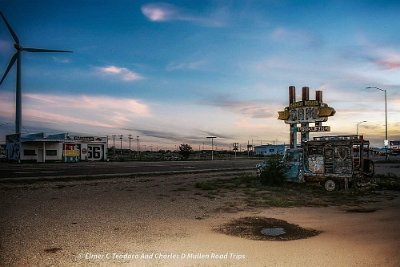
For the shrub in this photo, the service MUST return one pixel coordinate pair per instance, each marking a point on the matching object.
(274, 171)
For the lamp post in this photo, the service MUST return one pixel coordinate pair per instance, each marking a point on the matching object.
(386, 142)
(358, 123)
(212, 145)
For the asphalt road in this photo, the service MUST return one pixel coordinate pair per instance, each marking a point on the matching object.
(82, 169)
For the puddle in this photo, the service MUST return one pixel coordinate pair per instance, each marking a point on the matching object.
(362, 210)
(261, 228)
(273, 231)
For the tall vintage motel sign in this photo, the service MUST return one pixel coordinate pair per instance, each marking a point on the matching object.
(305, 112)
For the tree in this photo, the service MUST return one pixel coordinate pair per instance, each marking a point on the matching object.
(185, 150)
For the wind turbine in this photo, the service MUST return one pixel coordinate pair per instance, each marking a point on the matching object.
(17, 57)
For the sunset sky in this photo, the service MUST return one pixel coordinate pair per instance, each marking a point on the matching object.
(175, 72)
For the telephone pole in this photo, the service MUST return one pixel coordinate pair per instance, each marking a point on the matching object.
(130, 139)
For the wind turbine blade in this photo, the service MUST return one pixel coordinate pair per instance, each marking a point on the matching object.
(12, 61)
(15, 37)
(44, 50)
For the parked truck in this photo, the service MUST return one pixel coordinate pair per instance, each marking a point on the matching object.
(334, 161)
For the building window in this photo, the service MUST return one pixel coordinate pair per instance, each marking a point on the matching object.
(52, 152)
(272, 150)
(29, 152)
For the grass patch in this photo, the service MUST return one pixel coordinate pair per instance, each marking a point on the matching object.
(208, 185)
(180, 189)
(388, 182)
(255, 194)
(279, 202)
(242, 180)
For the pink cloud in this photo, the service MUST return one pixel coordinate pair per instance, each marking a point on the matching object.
(163, 12)
(97, 111)
(123, 73)
(160, 12)
(389, 64)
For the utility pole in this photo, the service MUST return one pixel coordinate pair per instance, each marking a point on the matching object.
(113, 137)
(212, 145)
(130, 139)
(120, 137)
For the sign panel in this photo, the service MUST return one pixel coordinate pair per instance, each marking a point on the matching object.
(306, 103)
(71, 150)
(91, 138)
(305, 115)
(308, 111)
(72, 153)
(394, 144)
(314, 129)
(235, 146)
(84, 138)
(95, 152)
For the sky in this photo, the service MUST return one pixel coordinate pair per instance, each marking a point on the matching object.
(174, 72)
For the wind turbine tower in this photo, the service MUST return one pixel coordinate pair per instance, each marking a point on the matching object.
(17, 58)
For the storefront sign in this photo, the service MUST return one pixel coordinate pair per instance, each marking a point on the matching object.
(84, 138)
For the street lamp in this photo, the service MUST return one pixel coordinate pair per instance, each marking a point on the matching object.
(212, 145)
(120, 137)
(386, 142)
(358, 123)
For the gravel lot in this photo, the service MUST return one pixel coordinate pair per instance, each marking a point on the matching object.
(171, 221)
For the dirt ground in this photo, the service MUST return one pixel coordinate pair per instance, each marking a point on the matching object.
(175, 221)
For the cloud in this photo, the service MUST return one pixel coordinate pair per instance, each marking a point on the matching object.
(197, 137)
(387, 59)
(170, 136)
(122, 73)
(163, 12)
(212, 133)
(296, 37)
(248, 124)
(76, 111)
(194, 65)
(61, 60)
(381, 56)
(254, 109)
